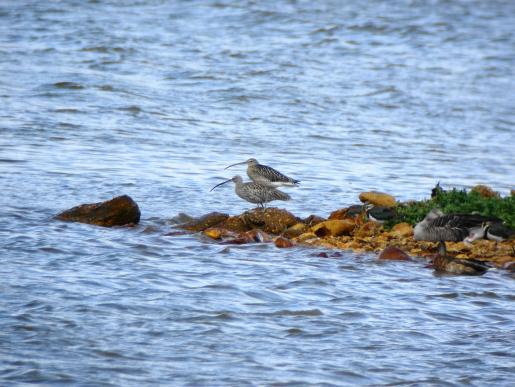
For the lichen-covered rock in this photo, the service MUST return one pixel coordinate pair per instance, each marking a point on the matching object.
(235, 223)
(271, 220)
(295, 230)
(377, 198)
(333, 227)
(306, 236)
(119, 211)
(485, 191)
(393, 253)
(282, 242)
(402, 230)
(368, 229)
(218, 233)
(209, 220)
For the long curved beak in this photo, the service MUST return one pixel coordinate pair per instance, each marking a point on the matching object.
(232, 165)
(223, 182)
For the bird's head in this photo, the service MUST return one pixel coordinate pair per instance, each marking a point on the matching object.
(249, 162)
(236, 179)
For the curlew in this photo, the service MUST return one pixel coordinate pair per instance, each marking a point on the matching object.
(254, 192)
(265, 175)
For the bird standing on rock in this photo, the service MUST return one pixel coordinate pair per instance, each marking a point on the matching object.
(265, 175)
(255, 193)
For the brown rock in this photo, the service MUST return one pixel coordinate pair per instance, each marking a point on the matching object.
(402, 230)
(235, 223)
(271, 220)
(348, 212)
(393, 253)
(485, 191)
(119, 211)
(295, 230)
(209, 220)
(312, 220)
(240, 240)
(258, 236)
(338, 214)
(333, 227)
(282, 242)
(218, 233)
(377, 198)
(510, 266)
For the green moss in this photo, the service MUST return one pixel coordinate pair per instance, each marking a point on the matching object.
(458, 202)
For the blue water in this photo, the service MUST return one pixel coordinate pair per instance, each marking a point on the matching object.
(154, 99)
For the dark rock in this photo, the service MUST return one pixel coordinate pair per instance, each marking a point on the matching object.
(349, 212)
(313, 220)
(295, 230)
(119, 211)
(209, 220)
(510, 266)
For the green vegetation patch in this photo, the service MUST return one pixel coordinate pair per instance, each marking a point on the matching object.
(458, 202)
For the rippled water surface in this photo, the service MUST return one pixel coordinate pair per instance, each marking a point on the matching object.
(154, 98)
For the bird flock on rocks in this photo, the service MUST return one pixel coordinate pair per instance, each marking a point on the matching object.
(435, 227)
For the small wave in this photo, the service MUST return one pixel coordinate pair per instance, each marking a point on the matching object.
(299, 313)
(68, 85)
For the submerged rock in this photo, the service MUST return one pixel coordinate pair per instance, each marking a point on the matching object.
(393, 253)
(377, 198)
(209, 220)
(282, 242)
(119, 211)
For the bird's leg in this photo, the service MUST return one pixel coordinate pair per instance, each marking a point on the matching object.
(442, 249)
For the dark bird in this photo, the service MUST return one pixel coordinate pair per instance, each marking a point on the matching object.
(255, 193)
(265, 175)
(379, 214)
(437, 227)
(494, 231)
(445, 264)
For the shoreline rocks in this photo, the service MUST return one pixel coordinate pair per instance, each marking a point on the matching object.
(346, 228)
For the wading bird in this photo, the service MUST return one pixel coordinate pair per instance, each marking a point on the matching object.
(265, 175)
(254, 192)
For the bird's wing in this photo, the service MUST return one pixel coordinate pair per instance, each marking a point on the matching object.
(272, 174)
